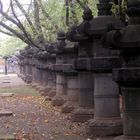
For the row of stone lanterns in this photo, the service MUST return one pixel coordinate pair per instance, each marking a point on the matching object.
(84, 71)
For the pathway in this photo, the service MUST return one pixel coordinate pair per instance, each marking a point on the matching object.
(33, 118)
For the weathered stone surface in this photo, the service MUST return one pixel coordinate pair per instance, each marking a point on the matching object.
(69, 107)
(82, 114)
(69, 138)
(58, 100)
(127, 138)
(102, 127)
(72, 94)
(128, 76)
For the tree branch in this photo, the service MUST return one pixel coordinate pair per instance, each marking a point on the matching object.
(20, 24)
(47, 15)
(40, 37)
(7, 33)
(26, 16)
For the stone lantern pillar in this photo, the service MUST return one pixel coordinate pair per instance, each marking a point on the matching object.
(43, 68)
(33, 63)
(39, 73)
(49, 76)
(107, 120)
(61, 81)
(20, 58)
(34, 67)
(127, 41)
(72, 78)
(23, 64)
(28, 78)
(82, 64)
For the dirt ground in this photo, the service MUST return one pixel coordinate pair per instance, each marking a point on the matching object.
(33, 118)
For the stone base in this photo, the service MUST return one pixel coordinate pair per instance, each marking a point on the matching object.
(127, 138)
(28, 79)
(41, 89)
(52, 93)
(34, 85)
(38, 87)
(68, 107)
(69, 138)
(47, 89)
(105, 127)
(58, 100)
(82, 115)
(47, 98)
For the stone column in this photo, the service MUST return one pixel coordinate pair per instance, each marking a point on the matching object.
(128, 76)
(107, 120)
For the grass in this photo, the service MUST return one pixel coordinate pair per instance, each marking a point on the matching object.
(22, 90)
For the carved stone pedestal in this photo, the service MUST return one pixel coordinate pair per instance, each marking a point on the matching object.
(85, 111)
(82, 114)
(72, 93)
(61, 89)
(50, 88)
(107, 114)
(105, 127)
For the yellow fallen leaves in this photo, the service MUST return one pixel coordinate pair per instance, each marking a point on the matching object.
(46, 121)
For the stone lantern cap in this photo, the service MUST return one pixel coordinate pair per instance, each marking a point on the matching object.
(133, 3)
(79, 33)
(102, 24)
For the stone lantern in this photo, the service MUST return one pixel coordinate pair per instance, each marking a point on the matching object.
(127, 41)
(23, 63)
(20, 57)
(71, 77)
(29, 55)
(34, 51)
(107, 120)
(84, 111)
(49, 74)
(39, 69)
(61, 83)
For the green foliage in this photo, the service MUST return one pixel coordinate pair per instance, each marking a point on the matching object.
(56, 10)
(120, 10)
(9, 45)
